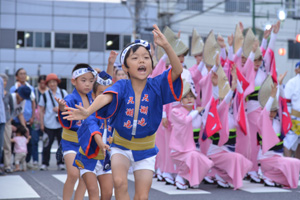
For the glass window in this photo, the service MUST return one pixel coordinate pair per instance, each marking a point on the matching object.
(38, 39)
(79, 41)
(62, 40)
(195, 5)
(294, 49)
(237, 6)
(112, 42)
(29, 39)
(47, 40)
(20, 40)
(126, 40)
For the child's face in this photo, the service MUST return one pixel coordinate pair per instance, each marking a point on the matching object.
(188, 100)
(84, 83)
(139, 63)
(257, 63)
(101, 89)
(244, 59)
(273, 114)
(198, 58)
(181, 58)
(120, 75)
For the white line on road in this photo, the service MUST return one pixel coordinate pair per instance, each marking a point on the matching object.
(260, 188)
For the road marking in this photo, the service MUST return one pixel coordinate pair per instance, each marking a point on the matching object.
(171, 190)
(15, 187)
(63, 177)
(260, 188)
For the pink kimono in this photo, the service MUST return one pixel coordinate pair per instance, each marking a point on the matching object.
(191, 163)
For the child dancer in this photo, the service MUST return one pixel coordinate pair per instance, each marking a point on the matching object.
(192, 164)
(20, 147)
(135, 109)
(83, 78)
(90, 159)
(276, 169)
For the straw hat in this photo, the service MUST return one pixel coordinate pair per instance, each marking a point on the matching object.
(247, 45)
(265, 92)
(187, 87)
(178, 46)
(223, 83)
(211, 48)
(238, 39)
(197, 44)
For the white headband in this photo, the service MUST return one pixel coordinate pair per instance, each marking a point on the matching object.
(137, 42)
(82, 71)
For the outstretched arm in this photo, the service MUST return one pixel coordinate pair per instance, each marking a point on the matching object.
(81, 113)
(161, 40)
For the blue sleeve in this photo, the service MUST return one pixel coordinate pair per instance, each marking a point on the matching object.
(85, 133)
(117, 89)
(64, 122)
(170, 91)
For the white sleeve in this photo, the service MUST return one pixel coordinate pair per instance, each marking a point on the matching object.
(194, 113)
(239, 87)
(264, 43)
(215, 90)
(228, 96)
(288, 90)
(281, 91)
(239, 52)
(223, 53)
(230, 53)
(164, 57)
(272, 41)
(269, 103)
(251, 56)
(164, 114)
(200, 66)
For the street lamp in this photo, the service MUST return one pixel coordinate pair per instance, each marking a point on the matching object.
(281, 15)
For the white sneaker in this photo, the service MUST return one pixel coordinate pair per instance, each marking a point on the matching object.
(180, 183)
(168, 178)
(221, 182)
(61, 167)
(43, 168)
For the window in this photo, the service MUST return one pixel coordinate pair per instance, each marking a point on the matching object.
(126, 40)
(293, 49)
(195, 5)
(62, 40)
(33, 39)
(237, 6)
(112, 42)
(79, 41)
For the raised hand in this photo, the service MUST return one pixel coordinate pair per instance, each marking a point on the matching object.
(61, 104)
(159, 37)
(214, 78)
(255, 45)
(234, 78)
(76, 114)
(112, 57)
(221, 41)
(276, 27)
(230, 40)
(217, 60)
(241, 26)
(281, 77)
(267, 32)
(178, 34)
(274, 90)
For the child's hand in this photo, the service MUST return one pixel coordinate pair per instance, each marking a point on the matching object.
(214, 78)
(241, 26)
(221, 41)
(281, 77)
(274, 90)
(267, 32)
(76, 114)
(199, 109)
(112, 57)
(165, 122)
(276, 27)
(103, 147)
(61, 104)
(230, 40)
(234, 78)
(159, 38)
(217, 59)
(110, 140)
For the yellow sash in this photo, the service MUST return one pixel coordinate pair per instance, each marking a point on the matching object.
(70, 135)
(296, 126)
(135, 143)
(100, 155)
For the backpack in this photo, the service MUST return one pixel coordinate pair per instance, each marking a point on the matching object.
(52, 100)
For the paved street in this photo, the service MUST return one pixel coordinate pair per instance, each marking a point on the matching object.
(48, 185)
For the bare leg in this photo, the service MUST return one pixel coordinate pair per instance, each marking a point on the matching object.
(120, 166)
(72, 177)
(286, 152)
(106, 185)
(143, 181)
(90, 181)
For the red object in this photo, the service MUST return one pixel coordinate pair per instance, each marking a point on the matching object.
(213, 123)
(281, 51)
(242, 79)
(273, 66)
(286, 118)
(242, 114)
(298, 38)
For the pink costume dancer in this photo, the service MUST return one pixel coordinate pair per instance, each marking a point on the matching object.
(257, 71)
(192, 164)
(276, 168)
(230, 167)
